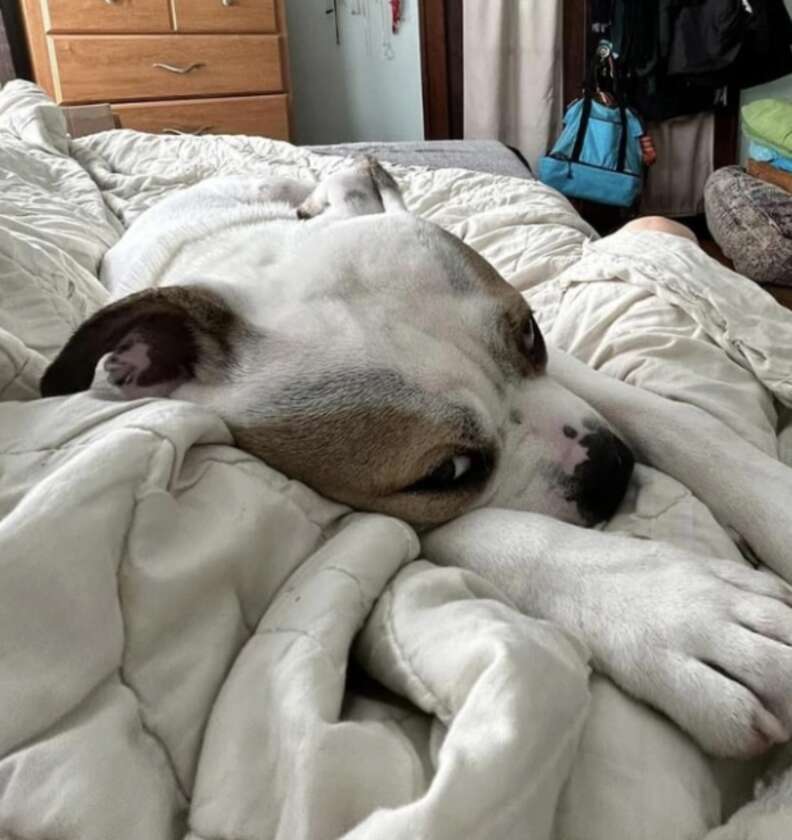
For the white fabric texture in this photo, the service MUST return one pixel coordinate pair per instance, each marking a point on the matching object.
(512, 73)
(195, 646)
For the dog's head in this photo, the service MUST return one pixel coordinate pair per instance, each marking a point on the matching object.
(381, 361)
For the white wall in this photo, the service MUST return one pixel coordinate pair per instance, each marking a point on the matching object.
(779, 89)
(353, 92)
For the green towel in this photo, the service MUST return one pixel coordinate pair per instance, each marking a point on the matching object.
(769, 121)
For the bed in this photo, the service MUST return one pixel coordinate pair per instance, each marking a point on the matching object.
(195, 646)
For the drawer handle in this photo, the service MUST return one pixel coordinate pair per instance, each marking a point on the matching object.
(200, 130)
(172, 68)
(227, 2)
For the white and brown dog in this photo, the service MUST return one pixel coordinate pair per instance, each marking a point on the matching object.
(381, 361)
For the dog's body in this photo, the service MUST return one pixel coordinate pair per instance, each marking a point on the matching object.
(378, 359)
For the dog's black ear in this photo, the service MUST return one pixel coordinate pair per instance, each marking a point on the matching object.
(156, 340)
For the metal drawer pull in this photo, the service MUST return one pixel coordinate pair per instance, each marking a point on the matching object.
(224, 2)
(172, 68)
(200, 130)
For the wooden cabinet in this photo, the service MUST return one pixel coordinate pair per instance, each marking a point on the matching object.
(228, 16)
(206, 66)
(226, 115)
(93, 16)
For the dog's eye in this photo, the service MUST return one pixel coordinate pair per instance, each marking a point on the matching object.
(451, 470)
(533, 343)
(529, 335)
(454, 472)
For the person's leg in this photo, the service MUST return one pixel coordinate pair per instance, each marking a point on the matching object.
(661, 224)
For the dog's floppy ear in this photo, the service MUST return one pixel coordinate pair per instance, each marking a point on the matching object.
(156, 339)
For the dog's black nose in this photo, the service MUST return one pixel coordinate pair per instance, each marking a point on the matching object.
(601, 480)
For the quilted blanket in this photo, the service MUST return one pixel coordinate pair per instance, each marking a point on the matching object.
(192, 645)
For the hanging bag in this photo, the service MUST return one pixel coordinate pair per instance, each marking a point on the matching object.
(598, 155)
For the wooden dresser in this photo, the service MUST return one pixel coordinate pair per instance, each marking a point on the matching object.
(196, 66)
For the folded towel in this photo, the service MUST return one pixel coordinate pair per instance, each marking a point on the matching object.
(769, 122)
(764, 154)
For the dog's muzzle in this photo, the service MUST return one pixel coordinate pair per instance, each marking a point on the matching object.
(602, 479)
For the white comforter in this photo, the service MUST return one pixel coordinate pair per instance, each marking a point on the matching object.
(191, 645)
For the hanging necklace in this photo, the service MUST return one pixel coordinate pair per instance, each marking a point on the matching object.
(387, 31)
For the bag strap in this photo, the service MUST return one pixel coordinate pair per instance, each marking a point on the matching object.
(589, 90)
(582, 127)
(621, 159)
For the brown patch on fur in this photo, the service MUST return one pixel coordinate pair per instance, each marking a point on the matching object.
(366, 457)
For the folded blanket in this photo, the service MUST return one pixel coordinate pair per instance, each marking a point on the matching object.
(769, 121)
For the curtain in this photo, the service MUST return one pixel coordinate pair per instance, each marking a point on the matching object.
(512, 72)
(6, 65)
(674, 186)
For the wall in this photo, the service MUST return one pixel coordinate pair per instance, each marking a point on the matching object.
(352, 92)
(779, 89)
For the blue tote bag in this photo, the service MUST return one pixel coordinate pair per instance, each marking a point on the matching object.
(598, 155)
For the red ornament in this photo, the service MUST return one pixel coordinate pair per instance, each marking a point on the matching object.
(395, 15)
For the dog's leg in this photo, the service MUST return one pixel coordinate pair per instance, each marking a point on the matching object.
(361, 190)
(391, 195)
(747, 490)
(704, 640)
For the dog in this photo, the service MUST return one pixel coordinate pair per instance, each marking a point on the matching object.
(380, 360)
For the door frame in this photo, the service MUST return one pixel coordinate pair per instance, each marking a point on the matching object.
(441, 68)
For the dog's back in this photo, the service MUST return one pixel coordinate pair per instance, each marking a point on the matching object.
(204, 232)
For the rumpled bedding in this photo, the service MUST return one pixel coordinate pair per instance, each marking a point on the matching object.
(192, 645)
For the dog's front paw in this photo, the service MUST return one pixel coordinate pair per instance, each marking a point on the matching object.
(707, 642)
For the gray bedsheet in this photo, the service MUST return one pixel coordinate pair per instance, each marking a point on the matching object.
(489, 156)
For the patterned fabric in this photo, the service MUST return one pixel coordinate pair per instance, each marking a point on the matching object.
(752, 223)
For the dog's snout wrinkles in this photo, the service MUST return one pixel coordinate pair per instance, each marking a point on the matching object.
(603, 477)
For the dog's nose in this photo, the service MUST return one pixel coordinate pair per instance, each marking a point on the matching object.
(602, 478)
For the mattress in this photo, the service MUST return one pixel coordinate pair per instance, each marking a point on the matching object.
(489, 156)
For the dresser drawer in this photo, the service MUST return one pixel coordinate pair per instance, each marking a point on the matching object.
(225, 15)
(106, 15)
(266, 116)
(96, 68)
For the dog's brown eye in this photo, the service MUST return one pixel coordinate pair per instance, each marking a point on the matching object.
(529, 336)
(452, 469)
(457, 471)
(533, 343)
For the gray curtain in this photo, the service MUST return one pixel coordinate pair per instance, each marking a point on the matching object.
(674, 186)
(6, 64)
(14, 60)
